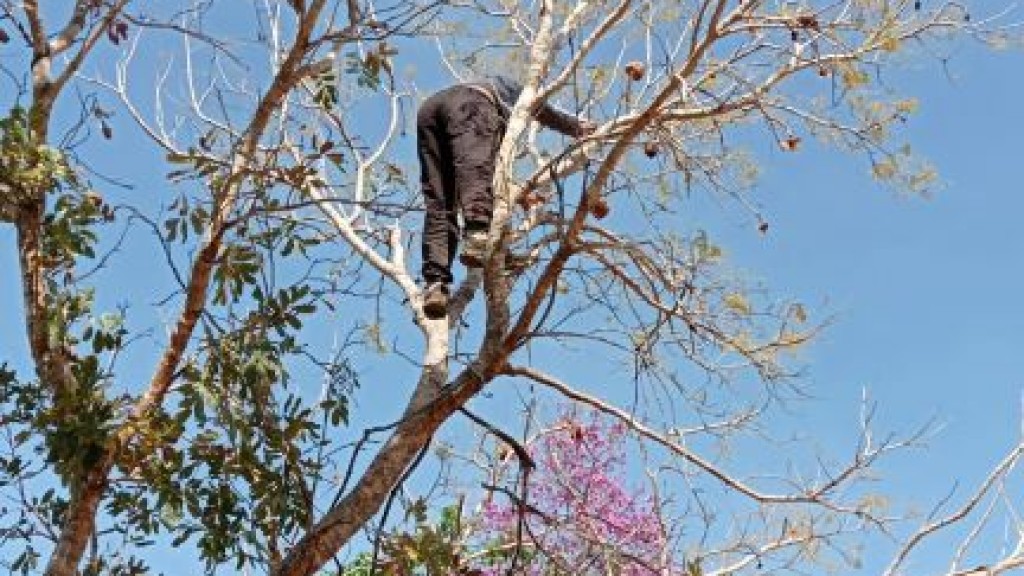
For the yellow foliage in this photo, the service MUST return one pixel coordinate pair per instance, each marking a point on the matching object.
(792, 339)
(890, 44)
(884, 170)
(923, 179)
(908, 106)
(853, 77)
(737, 303)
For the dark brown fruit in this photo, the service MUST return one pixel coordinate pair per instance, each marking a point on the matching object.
(599, 208)
(807, 21)
(651, 149)
(528, 199)
(635, 70)
(791, 143)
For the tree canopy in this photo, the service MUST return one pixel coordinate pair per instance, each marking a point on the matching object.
(268, 237)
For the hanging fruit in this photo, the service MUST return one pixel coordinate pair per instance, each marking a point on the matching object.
(635, 70)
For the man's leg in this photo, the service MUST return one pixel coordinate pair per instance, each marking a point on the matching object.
(475, 129)
(440, 224)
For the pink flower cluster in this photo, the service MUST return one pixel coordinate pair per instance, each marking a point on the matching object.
(580, 517)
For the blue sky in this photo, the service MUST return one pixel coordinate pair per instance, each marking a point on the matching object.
(925, 293)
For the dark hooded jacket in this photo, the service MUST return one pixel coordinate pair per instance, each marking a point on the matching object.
(507, 92)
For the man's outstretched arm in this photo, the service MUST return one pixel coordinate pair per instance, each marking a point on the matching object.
(549, 116)
(555, 119)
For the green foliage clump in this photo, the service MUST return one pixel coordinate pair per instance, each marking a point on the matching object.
(428, 548)
(28, 169)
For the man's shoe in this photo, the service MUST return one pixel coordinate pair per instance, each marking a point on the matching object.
(435, 300)
(474, 247)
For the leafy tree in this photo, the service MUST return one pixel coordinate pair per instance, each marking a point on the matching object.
(219, 419)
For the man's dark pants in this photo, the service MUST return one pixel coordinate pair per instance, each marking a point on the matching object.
(458, 133)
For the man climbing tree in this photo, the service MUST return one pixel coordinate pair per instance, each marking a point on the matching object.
(224, 357)
(459, 130)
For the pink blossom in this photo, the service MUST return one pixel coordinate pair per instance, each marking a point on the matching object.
(581, 516)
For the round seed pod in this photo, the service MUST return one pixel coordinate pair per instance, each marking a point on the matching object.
(635, 70)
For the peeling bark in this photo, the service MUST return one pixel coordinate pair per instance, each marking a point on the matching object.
(79, 521)
(53, 364)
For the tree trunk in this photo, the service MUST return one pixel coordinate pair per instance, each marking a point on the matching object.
(79, 523)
